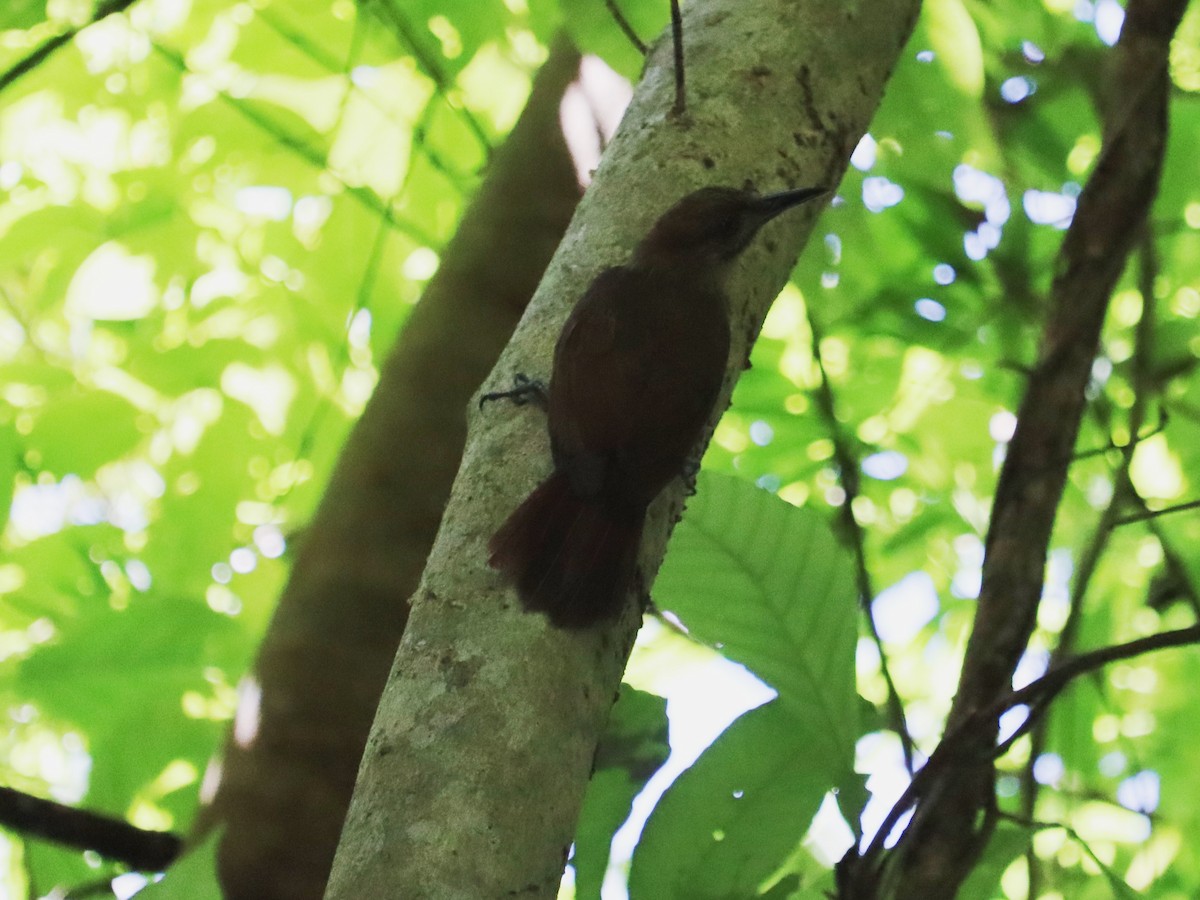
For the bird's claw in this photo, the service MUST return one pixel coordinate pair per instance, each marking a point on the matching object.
(524, 390)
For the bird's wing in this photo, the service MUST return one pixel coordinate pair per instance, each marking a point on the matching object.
(637, 368)
(597, 369)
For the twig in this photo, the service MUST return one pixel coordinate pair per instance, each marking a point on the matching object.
(390, 14)
(327, 61)
(1158, 428)
(623, 24)
(677, 38)
(1035, 825)
(37, 57)
(301, 148)
(1036, 695)
(341, 363)
(853, 533)
(1155, 513)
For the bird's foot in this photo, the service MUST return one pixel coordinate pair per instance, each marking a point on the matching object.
(524, 390)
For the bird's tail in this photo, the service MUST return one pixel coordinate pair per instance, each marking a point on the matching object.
(570, 558)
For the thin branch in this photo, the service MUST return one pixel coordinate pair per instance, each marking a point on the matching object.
(362, 301)
(1035, 825)
(1176, 573)
(41, 54)
(1147, 514)
(623, 24)
(458, 180)
(1036, 695)
(677, 40)
(1052, 683)
(853, 534)
(71, 827)
(387, 12)
(1158, 428)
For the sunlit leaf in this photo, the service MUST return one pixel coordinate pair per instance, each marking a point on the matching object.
(769, 585)
(727, 823)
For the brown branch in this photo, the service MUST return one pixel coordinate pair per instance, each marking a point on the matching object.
(677, 42)
(1039, 693)
(946, 836)
(1145, 514)
(964, 742)
(1123, 491)
(112, 838)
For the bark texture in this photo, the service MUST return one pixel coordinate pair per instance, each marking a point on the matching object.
(283, 796)
(483, 744)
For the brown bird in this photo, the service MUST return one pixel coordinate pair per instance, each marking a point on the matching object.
(637, 369)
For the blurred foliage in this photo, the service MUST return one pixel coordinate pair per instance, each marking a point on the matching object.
(194, 877)
(215, 216)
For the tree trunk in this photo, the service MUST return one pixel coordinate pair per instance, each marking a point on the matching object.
(283, 792)
(483, 743)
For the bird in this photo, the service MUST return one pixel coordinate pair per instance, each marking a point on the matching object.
(637, 370)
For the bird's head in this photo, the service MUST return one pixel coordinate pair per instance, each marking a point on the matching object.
(713, 225)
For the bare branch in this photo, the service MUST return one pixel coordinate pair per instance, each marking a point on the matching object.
(1155, 513)
(623, 24)
(947, 834)
(113, 838)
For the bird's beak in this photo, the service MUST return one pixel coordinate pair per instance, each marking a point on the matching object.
(771, 205)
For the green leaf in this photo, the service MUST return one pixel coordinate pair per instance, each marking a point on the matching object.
(631, 750)
(121, 676)
(193, 877)
(769, 585)
(728, 823)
